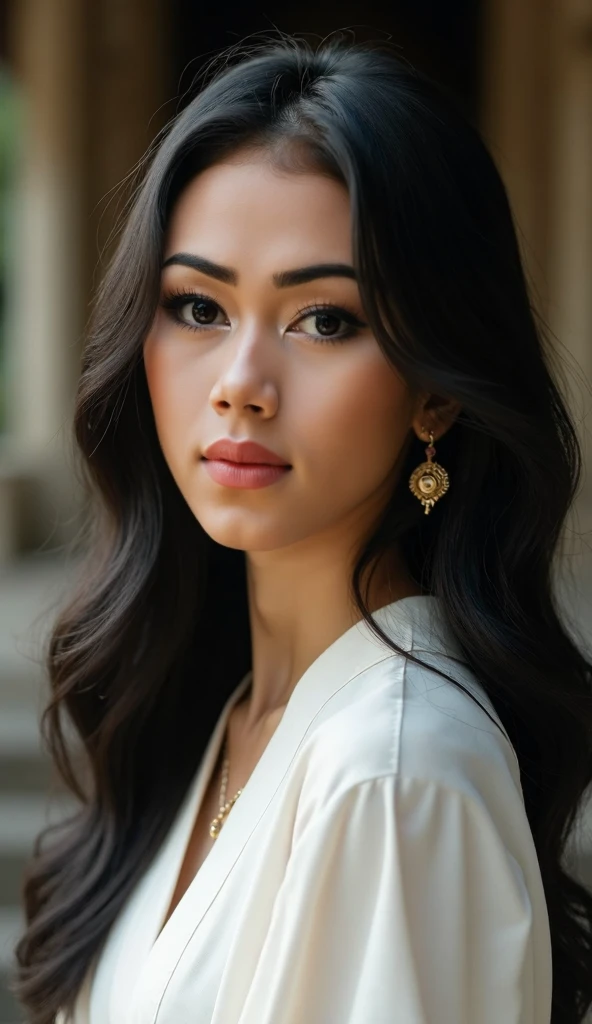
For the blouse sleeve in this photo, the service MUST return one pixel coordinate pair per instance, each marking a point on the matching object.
(400, 905)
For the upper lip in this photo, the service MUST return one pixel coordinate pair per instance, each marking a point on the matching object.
(242, 451)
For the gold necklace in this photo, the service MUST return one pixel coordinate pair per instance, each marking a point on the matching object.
(225, 807)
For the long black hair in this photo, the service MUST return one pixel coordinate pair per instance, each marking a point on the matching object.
(139, 662)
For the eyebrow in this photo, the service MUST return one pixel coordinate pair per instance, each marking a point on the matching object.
(282, 279)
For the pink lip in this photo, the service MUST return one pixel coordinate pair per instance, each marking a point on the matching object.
(242, 451)
(234, 474)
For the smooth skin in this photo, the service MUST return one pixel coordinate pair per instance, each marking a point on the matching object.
(261, 368)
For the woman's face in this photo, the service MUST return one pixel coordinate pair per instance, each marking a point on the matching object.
(243, 355)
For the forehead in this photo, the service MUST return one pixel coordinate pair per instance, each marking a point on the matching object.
(239, 205)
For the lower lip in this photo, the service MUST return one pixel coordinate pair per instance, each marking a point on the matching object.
(242, 474)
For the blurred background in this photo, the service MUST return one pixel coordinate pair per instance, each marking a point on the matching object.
(85, 85)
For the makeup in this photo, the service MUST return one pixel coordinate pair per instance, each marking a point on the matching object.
(241, 474)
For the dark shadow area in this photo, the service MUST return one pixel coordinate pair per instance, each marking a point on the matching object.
(442, 39)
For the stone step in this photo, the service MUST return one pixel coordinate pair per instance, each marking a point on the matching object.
(11, 876)
(24, 815)
(11, 927)
(10, 1012)
(25, 764)
(22, 774)
(19, 732)
(12, 924)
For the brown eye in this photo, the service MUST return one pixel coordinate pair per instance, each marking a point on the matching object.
(204, 311)
(327, 323)
(195, 312)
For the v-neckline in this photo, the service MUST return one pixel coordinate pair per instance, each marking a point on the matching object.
(393, 617)
(193, 804)
(183, 828)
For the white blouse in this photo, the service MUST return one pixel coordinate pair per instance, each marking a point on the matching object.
(378, 867)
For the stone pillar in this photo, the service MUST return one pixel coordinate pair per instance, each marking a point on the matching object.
(537, 121)
(94, 83)
(570, 214)
(516, 95)
(130, 97)
(44, 298)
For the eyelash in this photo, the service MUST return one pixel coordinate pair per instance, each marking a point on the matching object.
(175, 300)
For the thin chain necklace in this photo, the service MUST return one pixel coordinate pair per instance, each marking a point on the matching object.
(225, 807)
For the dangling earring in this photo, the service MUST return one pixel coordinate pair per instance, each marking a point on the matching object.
(430, 480)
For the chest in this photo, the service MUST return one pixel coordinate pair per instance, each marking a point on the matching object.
(200, 842)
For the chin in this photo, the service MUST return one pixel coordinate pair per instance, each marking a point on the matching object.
(240, 538)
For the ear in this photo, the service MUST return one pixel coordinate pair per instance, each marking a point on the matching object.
(434, 413)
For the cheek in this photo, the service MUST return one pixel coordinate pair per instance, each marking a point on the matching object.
(175, 399)
(361, 421)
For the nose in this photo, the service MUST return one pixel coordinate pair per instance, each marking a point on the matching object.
(247, 381)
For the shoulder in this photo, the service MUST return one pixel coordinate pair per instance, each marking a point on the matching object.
(417, 759)
(401, 720)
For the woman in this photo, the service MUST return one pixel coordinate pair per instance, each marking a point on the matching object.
(337, 733)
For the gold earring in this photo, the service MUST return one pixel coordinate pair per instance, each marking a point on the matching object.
(429, 481)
